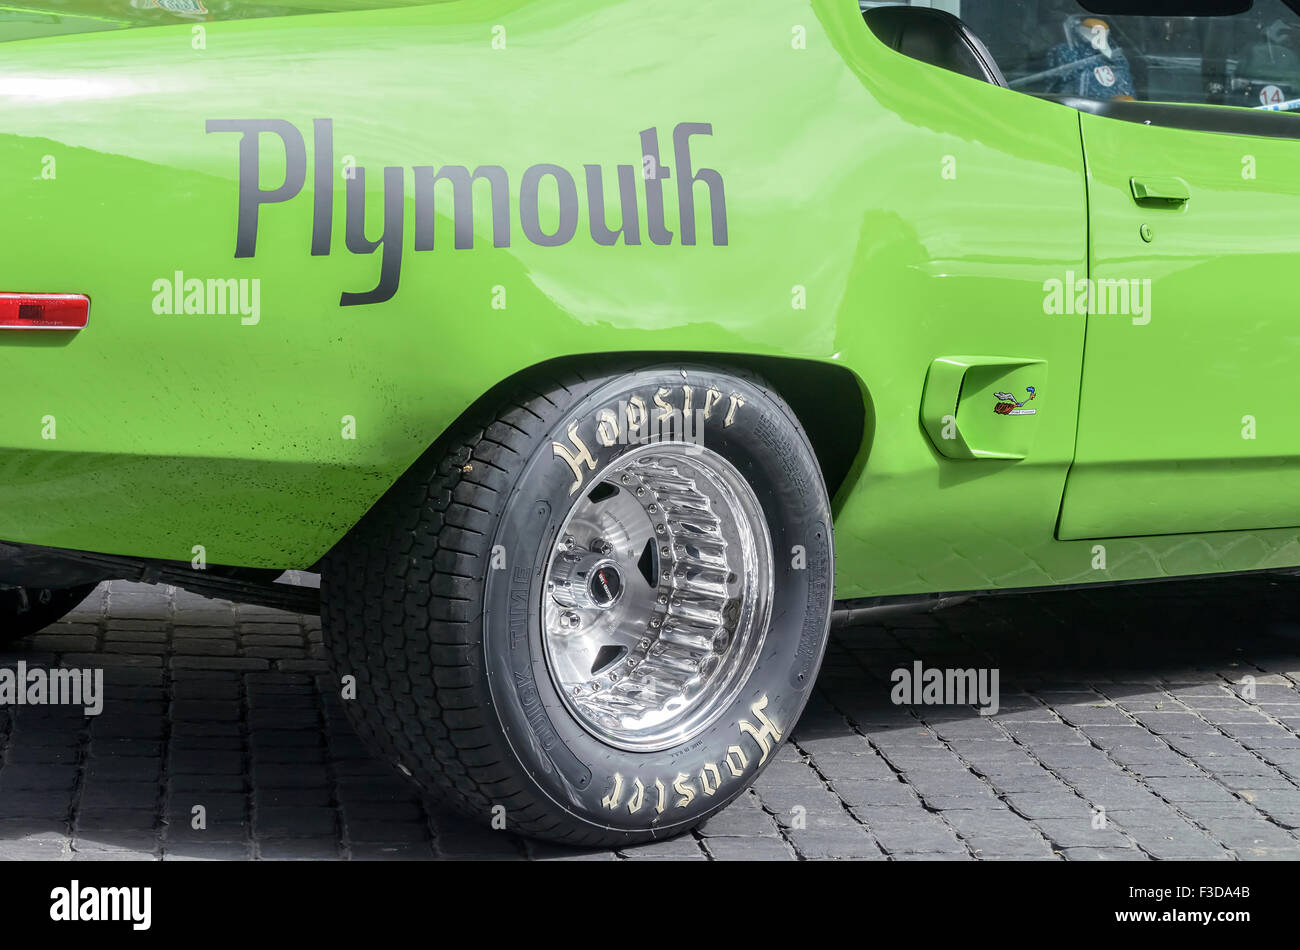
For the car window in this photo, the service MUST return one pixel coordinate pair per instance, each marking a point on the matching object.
(1057, 48)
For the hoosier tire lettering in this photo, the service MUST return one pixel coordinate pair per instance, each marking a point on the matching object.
(669, 424)
(767, 736)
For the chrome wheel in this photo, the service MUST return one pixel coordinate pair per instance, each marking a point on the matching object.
(658, 596)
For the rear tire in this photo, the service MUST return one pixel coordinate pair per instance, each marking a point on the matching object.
(26, 610)
(469, 603)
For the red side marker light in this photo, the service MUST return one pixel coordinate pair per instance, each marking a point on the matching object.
(44, 311)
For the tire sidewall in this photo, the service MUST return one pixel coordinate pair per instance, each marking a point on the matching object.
(636, 792)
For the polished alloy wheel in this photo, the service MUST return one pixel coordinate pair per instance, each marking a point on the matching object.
(658, 596)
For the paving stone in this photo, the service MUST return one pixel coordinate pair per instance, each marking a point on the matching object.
(413, 851)
(207, 851)
(783, 772)
(388, 830)
(749, 849)
(190, 785)
(1245, 784)
(115, 820)
(121, 842)
(128, 795)
(866, 766)
(1025, 844)
(299, 849)
(1072, 756)
(684, 846)
(208, 761)
(917, 835)
(218, 663)
(822, 844)
(1034, 781)
(1052, 805)
(1103, 854)
(1190, 790)
(39, 847)
(275, 821)
(740, 819)
(935, 856)
(35, 804)
(55, 777)
(1078, 833)
(1182, 845)
(1270, 801)
(1254, 836)
(1001, 823)
(115, 856)
(876, 794)
(1087, 715)
(22, 754)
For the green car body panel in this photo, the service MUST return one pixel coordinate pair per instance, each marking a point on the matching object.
(854, 210)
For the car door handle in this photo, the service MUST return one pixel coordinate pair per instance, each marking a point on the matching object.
(1173, 190)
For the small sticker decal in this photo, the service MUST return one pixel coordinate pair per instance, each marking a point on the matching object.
(1271, 95)
(1008, 405)
(1105, 75)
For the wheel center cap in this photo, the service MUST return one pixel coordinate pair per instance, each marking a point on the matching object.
(604, 585)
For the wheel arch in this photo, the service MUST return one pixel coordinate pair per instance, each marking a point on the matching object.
(831, 402)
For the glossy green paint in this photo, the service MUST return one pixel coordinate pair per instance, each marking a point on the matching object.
(32, 19)
(1189, 418)
(920, 212)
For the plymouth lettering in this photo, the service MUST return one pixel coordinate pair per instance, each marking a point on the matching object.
(459, 180)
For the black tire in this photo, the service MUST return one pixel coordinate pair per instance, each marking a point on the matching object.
(451, 676)
(25, 610)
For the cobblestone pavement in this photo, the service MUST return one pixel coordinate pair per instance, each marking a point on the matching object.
(1134, 701)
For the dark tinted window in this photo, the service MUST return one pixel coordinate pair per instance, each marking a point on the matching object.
(1055, 47)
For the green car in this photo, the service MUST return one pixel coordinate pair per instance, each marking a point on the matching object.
(595, 351)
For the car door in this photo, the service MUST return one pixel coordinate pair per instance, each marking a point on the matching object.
(1188, 416)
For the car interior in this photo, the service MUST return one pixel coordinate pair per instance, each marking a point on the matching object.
(940, 38)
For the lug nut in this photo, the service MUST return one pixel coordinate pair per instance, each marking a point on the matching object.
(570, 620)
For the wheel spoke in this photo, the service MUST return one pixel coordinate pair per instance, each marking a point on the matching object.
(658, 596)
